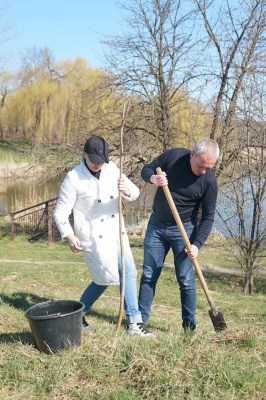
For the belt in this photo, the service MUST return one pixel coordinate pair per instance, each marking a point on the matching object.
(193, 220)
(163, 222)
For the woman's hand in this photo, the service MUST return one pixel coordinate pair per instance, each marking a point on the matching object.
(122, 187)
(74, 243)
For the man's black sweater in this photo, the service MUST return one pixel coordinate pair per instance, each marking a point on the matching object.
(189, 191)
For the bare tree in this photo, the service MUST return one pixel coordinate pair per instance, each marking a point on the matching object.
(242, 205)
(151, 62)
(37, 63)
(234, 49)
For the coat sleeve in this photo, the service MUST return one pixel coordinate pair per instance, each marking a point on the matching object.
(64, 207)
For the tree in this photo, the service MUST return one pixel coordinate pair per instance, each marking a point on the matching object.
(5, 76)
(235, 45)
(242, 205)
(52, 103)
(167, 57)
(152, 62)
(234, 49)
(5, 79)
(36, 64)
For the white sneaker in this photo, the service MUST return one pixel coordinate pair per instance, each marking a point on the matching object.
(85, 325)
(139, 329)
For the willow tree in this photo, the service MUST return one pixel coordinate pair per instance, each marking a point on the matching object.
(36, 113)
(57, 103)
(5, 76)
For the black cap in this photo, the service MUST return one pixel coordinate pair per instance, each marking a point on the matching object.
(97, 149)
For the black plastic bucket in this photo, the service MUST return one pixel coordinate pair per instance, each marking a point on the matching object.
(56, 324)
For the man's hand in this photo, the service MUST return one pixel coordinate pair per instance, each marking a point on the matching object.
(74, 243)
(192, 252)
(159, 180)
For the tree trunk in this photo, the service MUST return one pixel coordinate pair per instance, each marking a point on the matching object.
(248, 287)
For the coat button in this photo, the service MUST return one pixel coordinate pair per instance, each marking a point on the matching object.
(99, 201)
(102, 220)
(113, 216)
(100, 236)
(111, 197)
(123, 233)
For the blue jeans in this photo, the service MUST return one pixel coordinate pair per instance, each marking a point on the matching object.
(159, 238)
(94, 291)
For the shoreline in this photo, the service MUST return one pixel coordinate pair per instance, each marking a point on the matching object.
(19, 170)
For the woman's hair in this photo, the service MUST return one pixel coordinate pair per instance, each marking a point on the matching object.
(208, 147)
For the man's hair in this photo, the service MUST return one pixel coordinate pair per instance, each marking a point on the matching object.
(208, 147)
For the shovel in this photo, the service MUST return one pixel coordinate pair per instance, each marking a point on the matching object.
(216, 315)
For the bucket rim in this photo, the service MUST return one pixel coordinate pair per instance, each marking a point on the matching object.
(53, 316)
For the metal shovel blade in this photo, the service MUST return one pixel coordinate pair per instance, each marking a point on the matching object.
(217, 320)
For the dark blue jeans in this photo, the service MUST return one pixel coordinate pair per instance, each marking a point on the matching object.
(158, 240)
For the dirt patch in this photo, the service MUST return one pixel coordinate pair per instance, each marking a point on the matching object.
(11, 277)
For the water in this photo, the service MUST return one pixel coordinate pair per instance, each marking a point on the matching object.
(3, 204)
(236, 209)
(22, 194)
(25, 193)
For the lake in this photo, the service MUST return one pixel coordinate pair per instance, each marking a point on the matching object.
(22, 194)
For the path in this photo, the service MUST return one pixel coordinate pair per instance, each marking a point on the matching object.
(204, 268)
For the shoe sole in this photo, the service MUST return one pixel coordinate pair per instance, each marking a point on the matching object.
(141, 334)
(88, 328)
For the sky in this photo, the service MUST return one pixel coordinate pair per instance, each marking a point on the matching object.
(69, 28)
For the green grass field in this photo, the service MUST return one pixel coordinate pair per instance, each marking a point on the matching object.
(111, 365)
(8, 155)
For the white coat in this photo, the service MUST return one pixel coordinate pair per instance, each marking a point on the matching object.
(95, 205)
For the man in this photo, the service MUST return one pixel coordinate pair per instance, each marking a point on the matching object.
(193, 185)
(91, 190)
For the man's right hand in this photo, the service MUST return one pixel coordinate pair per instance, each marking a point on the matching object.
(74, 243)
(159, 180)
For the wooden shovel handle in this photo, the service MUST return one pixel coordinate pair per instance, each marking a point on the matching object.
(123, 280)
(186, 240)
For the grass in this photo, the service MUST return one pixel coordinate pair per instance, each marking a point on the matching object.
(110, 365)
(9, 155)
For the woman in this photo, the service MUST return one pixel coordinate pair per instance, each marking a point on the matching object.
(91, 191)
